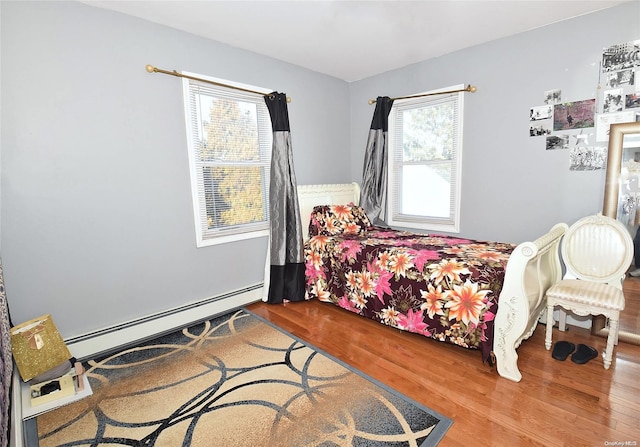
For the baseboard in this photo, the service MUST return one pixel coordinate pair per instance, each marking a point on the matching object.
(109, 339)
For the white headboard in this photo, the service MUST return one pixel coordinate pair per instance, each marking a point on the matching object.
(313, 195)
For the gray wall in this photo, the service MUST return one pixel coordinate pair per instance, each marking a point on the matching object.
(512, 189)
(97, 223)
(96, 218)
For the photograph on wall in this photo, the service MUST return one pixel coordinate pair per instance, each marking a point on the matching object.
(613, 101)
(574, 115)
(632, 101)
(618, 78)
(539, 128)
(621, 56)
(540, 113)
(603, 122)
(557, 142)
(540, 122)
(552, 96)
(587, 158)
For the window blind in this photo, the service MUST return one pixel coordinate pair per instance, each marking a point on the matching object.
(425, 150)
(230, 147)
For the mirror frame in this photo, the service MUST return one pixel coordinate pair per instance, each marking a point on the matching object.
(617, 133)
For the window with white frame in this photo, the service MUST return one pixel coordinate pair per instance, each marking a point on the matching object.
(229, 140)
(425, 159)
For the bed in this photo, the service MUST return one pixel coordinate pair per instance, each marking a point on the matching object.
(475, 294)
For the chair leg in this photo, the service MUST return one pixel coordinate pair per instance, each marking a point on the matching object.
(562, 320)
(549, 331)
(611, 338)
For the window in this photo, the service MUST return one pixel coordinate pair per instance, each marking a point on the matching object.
(229, 140)
(425, 154)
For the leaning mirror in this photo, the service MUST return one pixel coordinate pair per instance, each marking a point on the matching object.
(622, 202)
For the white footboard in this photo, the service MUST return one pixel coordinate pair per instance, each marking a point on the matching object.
(532, 269)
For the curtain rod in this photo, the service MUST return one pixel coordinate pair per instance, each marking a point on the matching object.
(468, 88)
(151, 69)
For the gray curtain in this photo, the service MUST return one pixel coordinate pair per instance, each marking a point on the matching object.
(286, 252)
(373, 194)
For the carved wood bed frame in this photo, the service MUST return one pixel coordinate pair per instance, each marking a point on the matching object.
(533, 267)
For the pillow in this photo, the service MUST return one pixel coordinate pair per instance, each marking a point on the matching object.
(331, 220)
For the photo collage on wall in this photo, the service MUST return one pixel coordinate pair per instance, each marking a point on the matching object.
(583, 126)
(619, 87)
(568, 125)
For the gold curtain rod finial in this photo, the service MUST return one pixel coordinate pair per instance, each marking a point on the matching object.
(372, 101)
(150, 68)
(472, 88)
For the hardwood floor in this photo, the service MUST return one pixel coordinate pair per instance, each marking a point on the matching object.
(555, 404)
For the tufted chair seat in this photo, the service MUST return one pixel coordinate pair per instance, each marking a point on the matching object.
(596, 251)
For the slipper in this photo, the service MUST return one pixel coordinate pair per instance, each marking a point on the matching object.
(583, 354)
(562, 349)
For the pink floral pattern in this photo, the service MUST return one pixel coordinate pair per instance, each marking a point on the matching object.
(330, 220)
(442, 287)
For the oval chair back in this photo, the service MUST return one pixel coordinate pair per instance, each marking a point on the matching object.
(597, 248)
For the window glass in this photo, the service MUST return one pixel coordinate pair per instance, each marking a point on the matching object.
(425, 150)
(229, 140)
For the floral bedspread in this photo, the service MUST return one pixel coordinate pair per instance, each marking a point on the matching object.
(442, 287)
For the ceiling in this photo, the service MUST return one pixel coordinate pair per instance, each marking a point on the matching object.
(352, 40)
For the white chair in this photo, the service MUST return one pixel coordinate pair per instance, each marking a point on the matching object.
(596, 251)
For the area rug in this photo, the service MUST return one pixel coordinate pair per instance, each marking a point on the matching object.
(236, 380)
